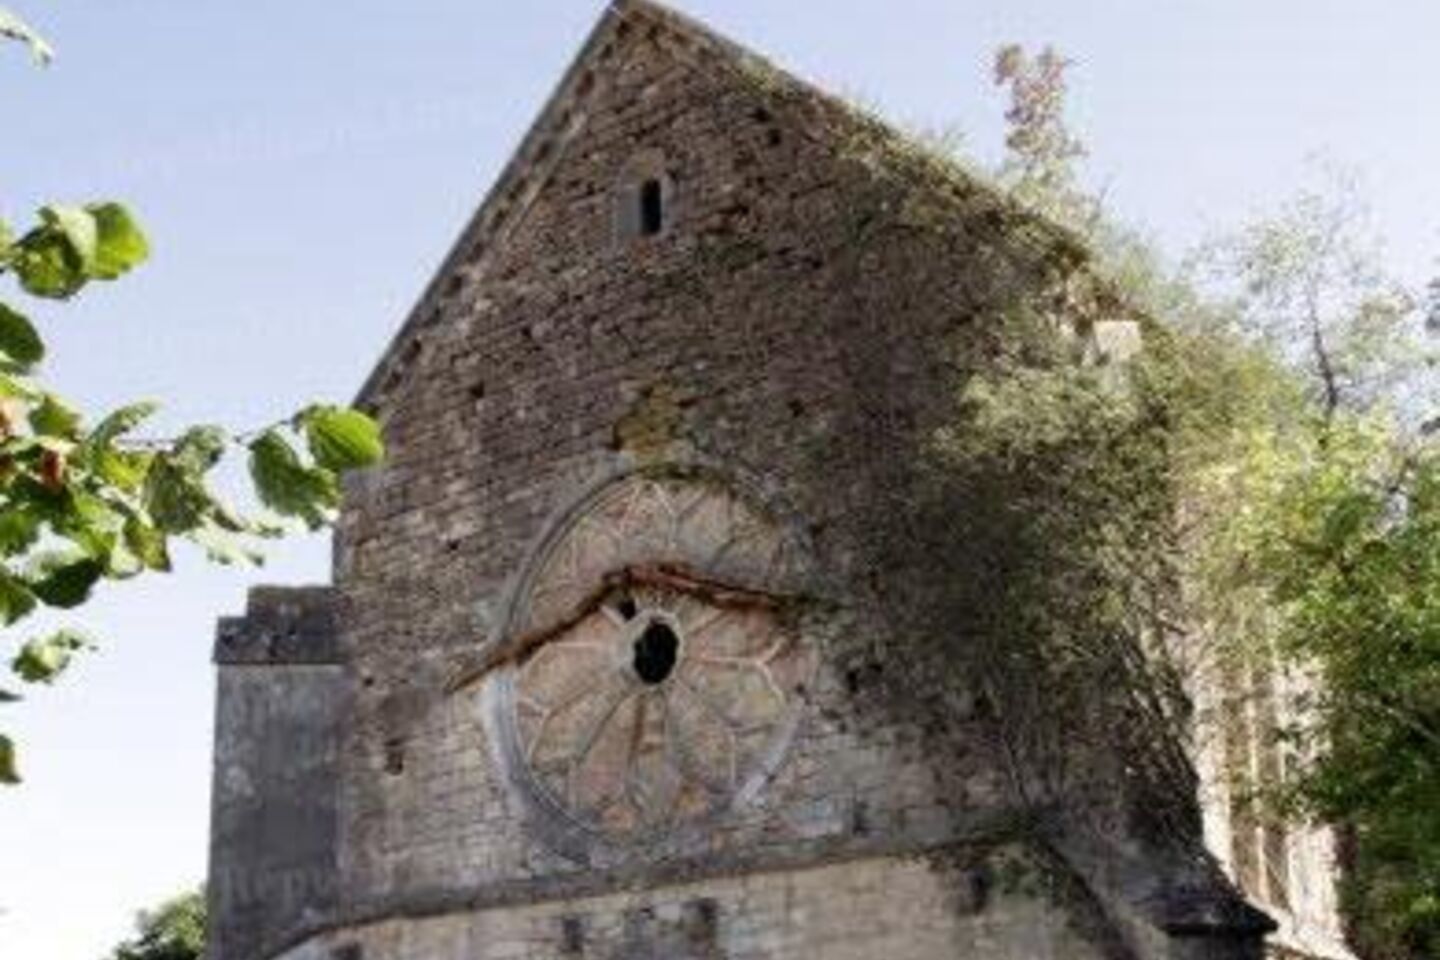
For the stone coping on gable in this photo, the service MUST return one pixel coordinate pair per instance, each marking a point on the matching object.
(282, 626)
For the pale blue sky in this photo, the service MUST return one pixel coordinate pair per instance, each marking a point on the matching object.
(302, 168)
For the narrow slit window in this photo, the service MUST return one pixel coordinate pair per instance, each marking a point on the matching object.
(652, 208)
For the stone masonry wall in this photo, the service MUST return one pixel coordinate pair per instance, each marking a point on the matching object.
(798, 321)
(883, 908)
(273, 826)
(750, 312)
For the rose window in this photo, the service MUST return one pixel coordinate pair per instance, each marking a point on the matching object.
(651, 671)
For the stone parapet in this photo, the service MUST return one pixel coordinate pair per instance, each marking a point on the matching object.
(281, 626)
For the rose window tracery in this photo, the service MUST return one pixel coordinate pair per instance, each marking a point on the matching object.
(652, 673)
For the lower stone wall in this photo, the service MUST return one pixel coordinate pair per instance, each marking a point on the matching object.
(877, 909)
(273, 817)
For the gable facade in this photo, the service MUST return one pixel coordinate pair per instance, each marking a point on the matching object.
(675, 374)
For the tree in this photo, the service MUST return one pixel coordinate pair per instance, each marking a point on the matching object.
(1291, 369)
(1335, 535)
(175, 930)
(1351, 549)
(1307, 283)
(82, 499)
(1041, 152)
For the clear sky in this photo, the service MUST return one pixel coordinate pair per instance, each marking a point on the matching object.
(302, 168)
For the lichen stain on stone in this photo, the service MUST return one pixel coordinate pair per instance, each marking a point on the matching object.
(653, 424)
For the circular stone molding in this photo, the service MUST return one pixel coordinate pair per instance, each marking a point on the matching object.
(647, 675)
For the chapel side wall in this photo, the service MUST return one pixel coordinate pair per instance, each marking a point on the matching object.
(896, 909)
(764, 331)
(1307, 908)
(280, 704)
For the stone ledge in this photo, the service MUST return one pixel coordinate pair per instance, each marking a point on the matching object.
(1200, 911)
(282, 626)
(980, 832)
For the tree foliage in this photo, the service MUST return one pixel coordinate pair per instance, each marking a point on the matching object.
(82, 498)
(1291, 372)
(1039, 167)
(1321, 548)
(1353, 560)
(175, 930)
(1061, 473)
(1308, 284)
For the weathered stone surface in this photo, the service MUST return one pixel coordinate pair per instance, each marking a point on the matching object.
(898, 909)
(798, 324)
(279, 705)
(282, 625)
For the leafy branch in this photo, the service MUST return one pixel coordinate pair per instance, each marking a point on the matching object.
(83, 502)
(13, 28)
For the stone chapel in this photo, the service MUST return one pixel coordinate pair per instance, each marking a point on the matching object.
(624, 656)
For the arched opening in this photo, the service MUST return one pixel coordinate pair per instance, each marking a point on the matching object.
(644, 198)
(652, 208)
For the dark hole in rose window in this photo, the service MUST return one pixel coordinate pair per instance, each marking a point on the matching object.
(655, 653)
(652, 208)
(627, 608)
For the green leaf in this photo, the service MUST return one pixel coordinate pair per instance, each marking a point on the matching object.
(19, 528)
(19, 339)
(16, 600)
(148, 544)
(14, 28)
(120, 422)
(120, 244)
(175, 495)
(92, 523)
(52, 506)
(226, 548)
(18, 387)
(126, 470)
(53, 417)
(9, 775)
(342, 439)
(64, 579)
(77, 225)
(289, 487)
(120, 561)
(43, 659)
(47, 265)
(227, 518)
(199, 449)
